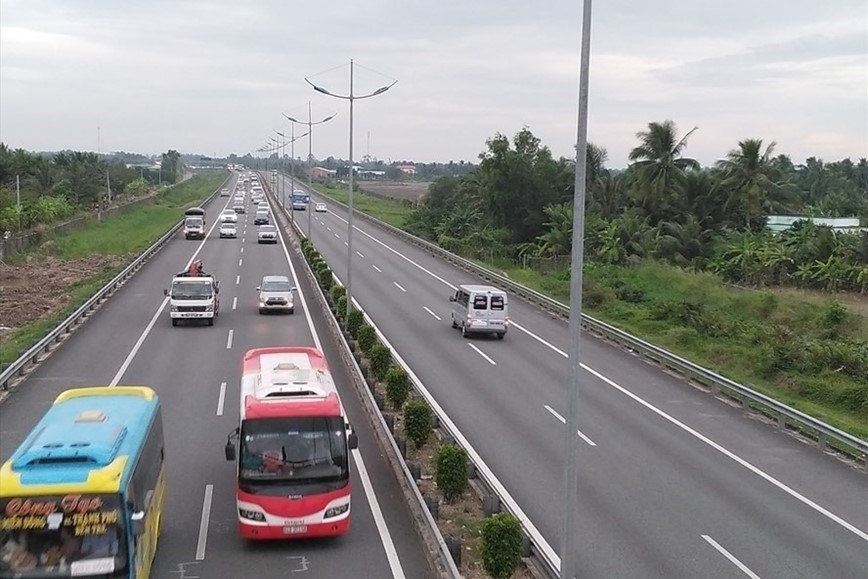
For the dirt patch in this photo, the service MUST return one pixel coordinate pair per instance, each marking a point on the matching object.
(413, 191)
(37, 289)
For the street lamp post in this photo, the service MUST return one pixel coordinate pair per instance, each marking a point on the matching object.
(569, 560)
(310, 125)
(350, 97)
(292, 141)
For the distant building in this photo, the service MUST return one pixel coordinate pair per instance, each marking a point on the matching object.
(407, 169)
(322, 174)
(371, 175)
(778, 223)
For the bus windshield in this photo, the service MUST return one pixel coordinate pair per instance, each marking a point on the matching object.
(61, 536)
(293, 450)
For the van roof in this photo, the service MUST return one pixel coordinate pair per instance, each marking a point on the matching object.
(481, 289)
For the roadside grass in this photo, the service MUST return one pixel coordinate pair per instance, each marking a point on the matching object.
(393, 212)
(129, 233)
(136, 230)
(736, 332)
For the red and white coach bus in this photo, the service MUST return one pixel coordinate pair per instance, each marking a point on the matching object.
(292, 445)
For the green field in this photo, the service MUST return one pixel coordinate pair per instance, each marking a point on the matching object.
(129, 233)
(392, 212)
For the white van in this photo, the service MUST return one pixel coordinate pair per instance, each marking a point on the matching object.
(480, 309)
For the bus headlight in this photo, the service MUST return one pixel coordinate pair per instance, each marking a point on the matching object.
(252, 515)
(336, 511)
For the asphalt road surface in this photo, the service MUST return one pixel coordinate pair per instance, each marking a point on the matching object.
(197, 370)
(673, 483)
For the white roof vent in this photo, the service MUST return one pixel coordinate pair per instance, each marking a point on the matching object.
(286, 373)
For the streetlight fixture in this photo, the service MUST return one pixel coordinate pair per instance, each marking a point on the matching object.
(350, 97)
(310, 125)
(292, 141)
(569, 560)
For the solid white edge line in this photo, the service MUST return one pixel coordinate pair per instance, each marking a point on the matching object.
(307, 315)
(397, 285)
(858, 532)
(379, 520)
(234, 302)
(203, 523)
(432, 313)
(229, 340)
(744, 568)
(564, 421)
(481, 353)
(221, 399)
(147, 330)
(760, 473)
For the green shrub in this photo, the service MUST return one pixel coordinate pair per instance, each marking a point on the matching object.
(418, 421)
(381, 359)
(501, 545)
(367, 338)
(337, 292)
(450, 472)
(397, 385)
(326, 280)
(341, 307)
(354, 320)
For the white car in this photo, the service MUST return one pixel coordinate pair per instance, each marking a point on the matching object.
(321, 208)
(224, 193)
(276, 294)
(229, 216)
(267, 234)
(228, 230)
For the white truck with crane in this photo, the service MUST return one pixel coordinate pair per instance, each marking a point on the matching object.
(194, 295)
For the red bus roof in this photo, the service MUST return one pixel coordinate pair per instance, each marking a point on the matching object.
(287, 381)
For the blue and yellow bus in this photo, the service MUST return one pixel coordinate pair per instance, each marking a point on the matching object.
(83, 494)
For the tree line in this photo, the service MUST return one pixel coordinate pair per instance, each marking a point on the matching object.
(518, 204)
(54, 186)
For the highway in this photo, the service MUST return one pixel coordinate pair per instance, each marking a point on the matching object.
(197, 372)
(673, 483)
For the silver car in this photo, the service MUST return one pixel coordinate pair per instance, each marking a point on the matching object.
(267, 234)
(276, 294)
(228, 230)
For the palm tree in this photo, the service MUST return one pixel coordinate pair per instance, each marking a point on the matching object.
(683, 241)
(557, 240)
(658, 164)
(755, 185)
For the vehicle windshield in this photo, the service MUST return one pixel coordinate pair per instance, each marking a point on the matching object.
(193, 222)
(267, 229)
(191, 290)
(61, 536)
(276, 286)
(293, 450)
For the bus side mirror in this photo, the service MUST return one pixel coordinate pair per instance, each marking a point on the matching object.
(353, 441)
(230, 451)
(165, 292)
(138, 523)
(451, 298)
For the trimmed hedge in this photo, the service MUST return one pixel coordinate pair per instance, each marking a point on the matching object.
(367, 338)
(451, 471)
(418, 422)
(354, 320)
(381, 359)
(501, 545)
(397, 385)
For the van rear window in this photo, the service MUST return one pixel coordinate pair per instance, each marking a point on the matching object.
(480, 302)
(497, 302)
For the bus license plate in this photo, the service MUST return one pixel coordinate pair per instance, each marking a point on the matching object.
(294, 529)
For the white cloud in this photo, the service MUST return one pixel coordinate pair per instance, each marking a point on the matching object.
(214, 77)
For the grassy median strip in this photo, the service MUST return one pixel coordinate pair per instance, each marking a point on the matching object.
(774, 340)
(122, 235)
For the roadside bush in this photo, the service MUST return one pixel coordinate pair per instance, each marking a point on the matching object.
(501, 545)
(354, 319)
(418, 421)
(450, 471)
(341, 307)
(337, 292)
(326, 280)
(397, 385)
(367, 338)
(381, 359)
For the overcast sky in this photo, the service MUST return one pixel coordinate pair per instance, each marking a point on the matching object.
(213, 77)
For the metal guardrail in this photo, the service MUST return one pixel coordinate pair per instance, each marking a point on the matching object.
(31, 358)
(825, 436)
